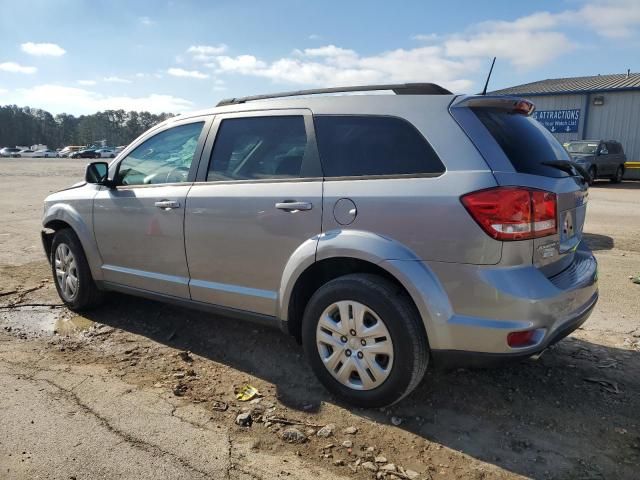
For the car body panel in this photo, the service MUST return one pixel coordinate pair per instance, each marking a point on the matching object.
(142, 245)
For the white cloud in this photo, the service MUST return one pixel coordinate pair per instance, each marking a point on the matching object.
(114, 79)
(613, 18)
(181, 72)
(428, 37)
(3, 91)
(57, 99)
(86, 82)
(13, 67)
(43, 49)
(332, 65)
(206, 53)
(146, 21)
(314, 36)
(527, 42)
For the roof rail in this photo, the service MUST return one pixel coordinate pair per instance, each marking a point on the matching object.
(398, 89)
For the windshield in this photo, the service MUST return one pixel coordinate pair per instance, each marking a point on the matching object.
(581, 147)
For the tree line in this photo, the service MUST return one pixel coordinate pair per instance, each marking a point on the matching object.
(30, 126)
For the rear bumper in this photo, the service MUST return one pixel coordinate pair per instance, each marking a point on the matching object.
(489, 302)
(460, 358)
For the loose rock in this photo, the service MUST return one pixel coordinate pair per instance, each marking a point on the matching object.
(293, 435)
(389, 467)
(396, 421)
(327, 430)
(186, 356)
(350, 430)
(412, 475)
(244, 420)
(339, 462)
(179, 390)
(380, 459)
(347, 444)
(370, 466)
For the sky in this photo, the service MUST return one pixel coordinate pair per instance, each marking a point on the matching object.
(80, 57)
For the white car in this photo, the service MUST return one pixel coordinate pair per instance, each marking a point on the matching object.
(106, 153)
(26, 153)
(46, 153)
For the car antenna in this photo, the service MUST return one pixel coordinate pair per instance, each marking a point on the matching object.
(486, 84)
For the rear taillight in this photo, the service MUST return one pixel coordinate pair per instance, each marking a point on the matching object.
(513, 213)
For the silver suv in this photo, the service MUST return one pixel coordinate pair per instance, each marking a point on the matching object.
(385, 232)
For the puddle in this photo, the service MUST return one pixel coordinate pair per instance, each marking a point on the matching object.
(67, 326)
(38, 321)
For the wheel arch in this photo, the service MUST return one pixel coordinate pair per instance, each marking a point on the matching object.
(344, 252)
(60, 216)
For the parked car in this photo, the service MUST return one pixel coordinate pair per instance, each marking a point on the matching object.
(9, 152)
(46, 153)
(106, 153)
(86, 153)
(384, 232)
(67, 151)
(601, 158)
(28, 153)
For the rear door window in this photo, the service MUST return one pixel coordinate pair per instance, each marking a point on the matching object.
(356, 146)
(259, 148)
(524, 140)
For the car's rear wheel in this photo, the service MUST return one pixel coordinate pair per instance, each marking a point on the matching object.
(617, 177)
(364, 340)
(71, 272)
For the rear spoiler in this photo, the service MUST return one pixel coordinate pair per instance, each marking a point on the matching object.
(510, 104)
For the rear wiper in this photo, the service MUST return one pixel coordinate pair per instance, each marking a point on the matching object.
(571, 168)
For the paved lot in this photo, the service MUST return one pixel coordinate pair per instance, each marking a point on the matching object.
(94, 396)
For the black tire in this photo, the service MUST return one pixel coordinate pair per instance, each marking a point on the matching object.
(617, 177)
(87, 295)
(593, 175)
(394, 307)
(112, 156)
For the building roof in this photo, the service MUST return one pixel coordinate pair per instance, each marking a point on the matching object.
(558, 86)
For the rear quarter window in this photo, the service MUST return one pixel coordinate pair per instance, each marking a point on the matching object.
(356, 146)
(524, 140)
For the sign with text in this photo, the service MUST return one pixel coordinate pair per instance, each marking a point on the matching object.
(559, 121)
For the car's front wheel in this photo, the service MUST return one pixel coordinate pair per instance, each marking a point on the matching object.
(617, 177)
(365, 340)
(71, 272)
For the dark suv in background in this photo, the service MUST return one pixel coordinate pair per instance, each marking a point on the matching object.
(601, 158)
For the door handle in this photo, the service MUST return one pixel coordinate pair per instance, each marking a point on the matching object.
(294, 206)
(167, 204)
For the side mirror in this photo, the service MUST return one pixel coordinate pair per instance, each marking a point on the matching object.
(97, 173)
(603, 151)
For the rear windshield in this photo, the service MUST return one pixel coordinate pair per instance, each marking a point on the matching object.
(524, 140)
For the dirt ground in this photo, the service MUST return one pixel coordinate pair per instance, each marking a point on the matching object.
(138, 389)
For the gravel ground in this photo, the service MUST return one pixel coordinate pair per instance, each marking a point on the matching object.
(137, 389)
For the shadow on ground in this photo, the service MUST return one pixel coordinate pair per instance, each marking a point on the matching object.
(624, 185)
(597, 242)
(571, 414)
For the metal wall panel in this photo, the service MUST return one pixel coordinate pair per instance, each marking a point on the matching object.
(618, 119)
